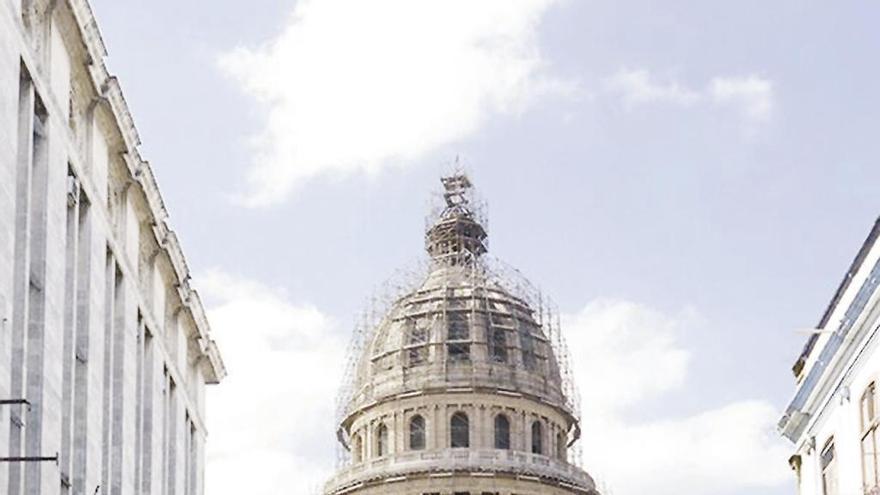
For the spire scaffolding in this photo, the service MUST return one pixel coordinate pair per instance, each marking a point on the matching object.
(456, 233)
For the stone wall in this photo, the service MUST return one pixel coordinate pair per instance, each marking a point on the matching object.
(99, 329)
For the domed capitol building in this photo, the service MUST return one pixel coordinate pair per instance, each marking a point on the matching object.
(462, 384)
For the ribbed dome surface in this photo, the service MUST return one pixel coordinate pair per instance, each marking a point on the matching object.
(458, 329)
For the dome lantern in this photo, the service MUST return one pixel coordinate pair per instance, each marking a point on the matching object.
(457, 236)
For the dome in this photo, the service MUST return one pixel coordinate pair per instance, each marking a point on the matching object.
(464, 377)
(458, 329)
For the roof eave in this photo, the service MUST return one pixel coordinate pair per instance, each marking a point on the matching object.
(854, 267)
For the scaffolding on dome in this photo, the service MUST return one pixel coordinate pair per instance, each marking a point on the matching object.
(402, 282)
(458, 243)
(548, 317)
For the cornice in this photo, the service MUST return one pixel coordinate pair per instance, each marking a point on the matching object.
(417, 466)
(109, 92)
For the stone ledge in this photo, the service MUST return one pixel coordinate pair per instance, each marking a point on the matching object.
(476, 462)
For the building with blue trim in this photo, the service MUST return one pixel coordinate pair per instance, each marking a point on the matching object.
(833, 417)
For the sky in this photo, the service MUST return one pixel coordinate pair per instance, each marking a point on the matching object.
(688, 180)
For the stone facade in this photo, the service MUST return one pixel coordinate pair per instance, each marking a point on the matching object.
(100, 331)
(460, 387)
(833, 418)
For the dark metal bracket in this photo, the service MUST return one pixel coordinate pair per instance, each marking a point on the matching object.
(53, 458)
(12, 402)
(24, 402)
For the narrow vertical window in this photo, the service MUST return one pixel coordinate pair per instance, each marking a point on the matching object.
(382, 440)
(193, 485)
(109, 307)
(120, 336)
(139, 399)
(163, 450)
(168, 456)
(417, 433)
(459, 430)
(868, 406)
(20, 274)
(537, 438)
(172, 435)
(81, 373)
(458, 337)
(417, 340)
(190, 450)
(36, 287)
(114, 378)
(458, 326)
(68, 342)
(497, 345)
(828, 462)
(527, 347)
(149, 366)
(502, 432)
(187, 444)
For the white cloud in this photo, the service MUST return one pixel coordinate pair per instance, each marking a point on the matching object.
(752, 96)
(359, 86)
(627, 355)
(639, 86)
(271, 420)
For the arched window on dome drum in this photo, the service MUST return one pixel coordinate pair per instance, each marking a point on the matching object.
(458, 336)
(497, 344)
(502, 432)
(561, 446)
(459, 430)
(537, 438)
(417, 433)
(382, 440)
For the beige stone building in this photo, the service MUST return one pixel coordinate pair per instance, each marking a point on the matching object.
(462, 385)
(104, 346)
